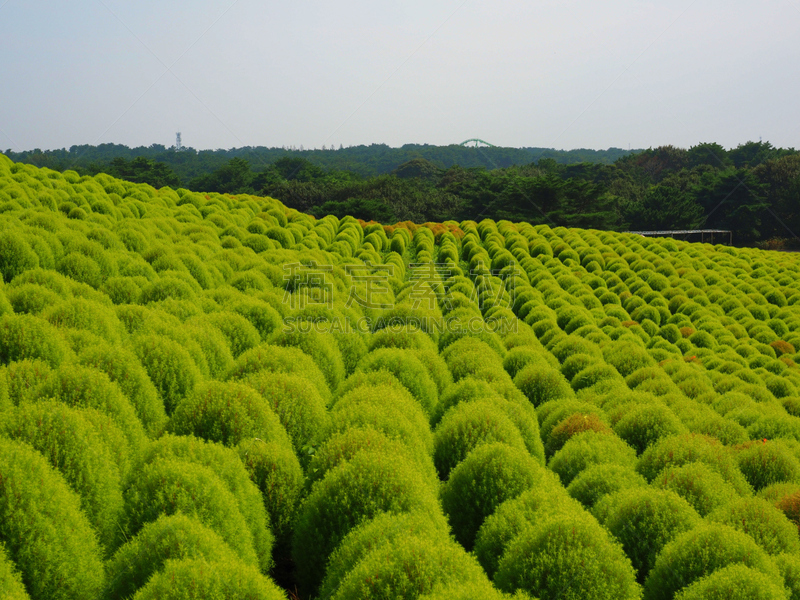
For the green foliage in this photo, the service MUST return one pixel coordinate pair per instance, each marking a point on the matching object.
(44, 531)
(73, 447)
(597, 481)
(200, 578)
(688, 448)
(124, 369)
(169, 486)
(226, 412)
(567, 556)
(700, 552)
(173, 537)
(280, 360)
(26, 336)
(467, 426)
(542, 384)
(644, 520)
(734, 582)
(16, 255)
(759, 519)
(587, 449)
(10, 580)
(764, 463)
(490, 474)
(408, 369)
(275, 470)
(169, 366)
(704, 488)
(353, 492)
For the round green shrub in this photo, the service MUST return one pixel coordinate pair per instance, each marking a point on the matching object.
(170, 537)
(169, 366)
(344, 445)
(353, 492)
(687, 448)
(10, 580)
(240, 334)
(169, 486)
(789, 567)
(513, 516)
(467, 426)
(320, 347)
(542, 384)
(766, 462)
(408, 369)
(587, 449)
(227, 467)
(567, 556)
(30, 298)
(73, 447)
(386, 408)
(464, 390)
(84, 387)
(570, 426)
(199, 578)
(489, 475)
(644, 425)
(23, 379)
(701, 486)
(44, 530)
(16, 255)
(734, 582)
(299, 406)
(124, 369)
(593, 375)
(226, 412)
(28, 337)
(214, 347)
(600, 480)
(759, 519)
(700, 552)
(411, 566)
(384, 529)
(644, 520)
(275, 470)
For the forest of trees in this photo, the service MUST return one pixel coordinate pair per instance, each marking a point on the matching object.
(753, 190)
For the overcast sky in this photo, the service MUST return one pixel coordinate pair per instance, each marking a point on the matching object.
(562, 73)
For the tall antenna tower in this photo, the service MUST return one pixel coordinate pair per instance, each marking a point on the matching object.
(178, 144)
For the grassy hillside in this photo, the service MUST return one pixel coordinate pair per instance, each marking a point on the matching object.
(207, 396)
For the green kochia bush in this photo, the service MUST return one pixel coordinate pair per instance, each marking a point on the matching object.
(489, 475)
(84, 387)
(226, 412)
(226, 465)
(700, 552)
(547, 499)
(26, 336)
(644, 520)
(298, 404)
(344, 445)
(72, 446)
(320, 347)
(687, 448)
(168, 486)
(278, 359)
(467, 426)
(704, 488)
(765, 463)
(10, 579)
(541, 384)
(408, 369)
(587, 449)
(199, 578)
(384, 529)
(353, 492)
(570, 557)
(123, 368)
(411, 566)
(169, 366)
(599, 480)
(44, 531)
(735, 582)
(275, 470)
(172, 537)
(759, 519)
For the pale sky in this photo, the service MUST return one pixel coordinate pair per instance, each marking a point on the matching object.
(563, 73)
